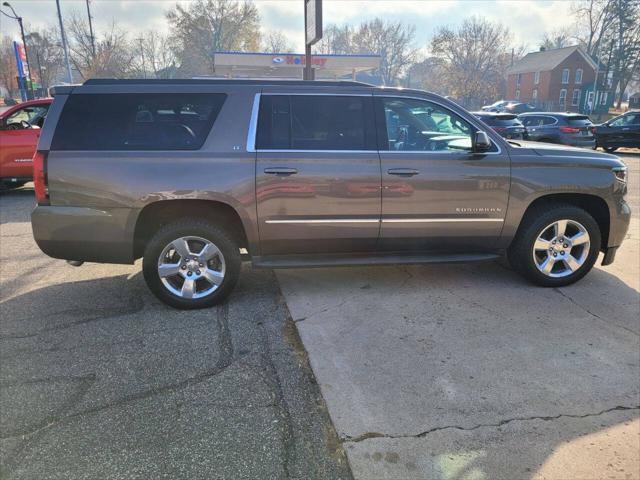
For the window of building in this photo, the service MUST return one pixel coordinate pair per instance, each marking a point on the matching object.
(536, 78)
(603, 98)
(517, 94)
(419, 125)
(565, 75)
(534, 94)
(315, 122)
(140, 121)
(563, 96)
(518, 79)
(575, 97)
(579, 76)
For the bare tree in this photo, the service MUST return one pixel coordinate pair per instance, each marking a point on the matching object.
(154, 56)
(559, 38)
(8, 69)
(336, 40)
(393, 41)
(473, 58)
(113, 55)
(594, 19)
(276, 42)
(45, 54)
(203, 27)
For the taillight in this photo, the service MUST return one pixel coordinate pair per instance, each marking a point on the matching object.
(40, 178)
(569, 130)
(499, 129)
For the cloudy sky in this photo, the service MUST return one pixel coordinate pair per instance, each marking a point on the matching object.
(527, 19)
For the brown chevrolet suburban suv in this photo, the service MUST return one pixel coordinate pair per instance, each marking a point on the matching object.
(195, 175)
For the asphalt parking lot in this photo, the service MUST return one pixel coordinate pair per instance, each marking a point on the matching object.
(98, 380)
(468, 372)
(443, 372)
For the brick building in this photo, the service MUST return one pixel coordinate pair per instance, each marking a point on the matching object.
(561, 79)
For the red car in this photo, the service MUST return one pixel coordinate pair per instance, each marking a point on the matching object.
(19, 132)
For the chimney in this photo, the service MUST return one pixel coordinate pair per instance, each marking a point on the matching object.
(543, 48)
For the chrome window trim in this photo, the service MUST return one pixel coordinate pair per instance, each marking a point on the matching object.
(481, 129)
(253, 132)
(253, 124)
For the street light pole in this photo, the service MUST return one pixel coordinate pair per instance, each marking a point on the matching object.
(64, 42)
(93, 39)
(24, 43)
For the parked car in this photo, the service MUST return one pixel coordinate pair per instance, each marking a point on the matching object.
(519, 108)
(20, 128)
(498, 106)
(620, 131)
(506, 124)
(173, 177)
(564, 128)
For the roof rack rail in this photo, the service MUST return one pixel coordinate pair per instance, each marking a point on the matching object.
(218, 81)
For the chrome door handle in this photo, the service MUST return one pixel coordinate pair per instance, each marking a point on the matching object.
(403, 172)
(283, 171)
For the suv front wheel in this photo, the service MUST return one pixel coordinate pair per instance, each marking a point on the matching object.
(191, 264)
(557, 245)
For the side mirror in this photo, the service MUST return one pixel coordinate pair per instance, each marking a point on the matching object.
(481, 142)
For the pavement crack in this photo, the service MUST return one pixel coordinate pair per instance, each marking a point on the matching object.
(594, 315)
(369, 435)
(288, 436)
(225, 343)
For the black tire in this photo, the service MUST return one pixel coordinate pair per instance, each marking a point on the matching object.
(609, 149)
(191, 228)
(520, 253)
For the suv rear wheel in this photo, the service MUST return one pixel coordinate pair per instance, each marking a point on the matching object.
(191, 264)
(556, 245)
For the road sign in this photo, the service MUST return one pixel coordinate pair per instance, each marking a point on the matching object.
(313, 21)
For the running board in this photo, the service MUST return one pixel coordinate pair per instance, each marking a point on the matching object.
(354, 260)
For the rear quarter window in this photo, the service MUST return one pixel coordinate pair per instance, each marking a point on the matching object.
(173, 121)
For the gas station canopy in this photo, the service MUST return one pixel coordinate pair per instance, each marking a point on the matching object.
(290, 65)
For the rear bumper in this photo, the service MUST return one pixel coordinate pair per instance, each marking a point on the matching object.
(86, 234)
(588, 142)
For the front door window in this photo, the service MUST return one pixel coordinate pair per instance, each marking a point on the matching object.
(419, 125)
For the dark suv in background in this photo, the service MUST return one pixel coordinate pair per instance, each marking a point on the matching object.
(620, 131)
(506, 124)
(191, 174)
(564, 128)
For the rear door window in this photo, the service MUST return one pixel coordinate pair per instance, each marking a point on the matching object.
(167, 121)
(316, 122)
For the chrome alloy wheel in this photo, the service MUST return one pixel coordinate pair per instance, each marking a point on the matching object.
(191, 267)
(561, 248)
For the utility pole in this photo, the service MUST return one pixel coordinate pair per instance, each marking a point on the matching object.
(64, 43)
(93, 38)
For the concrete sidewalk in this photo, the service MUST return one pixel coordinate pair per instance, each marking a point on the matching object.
(469, 372)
